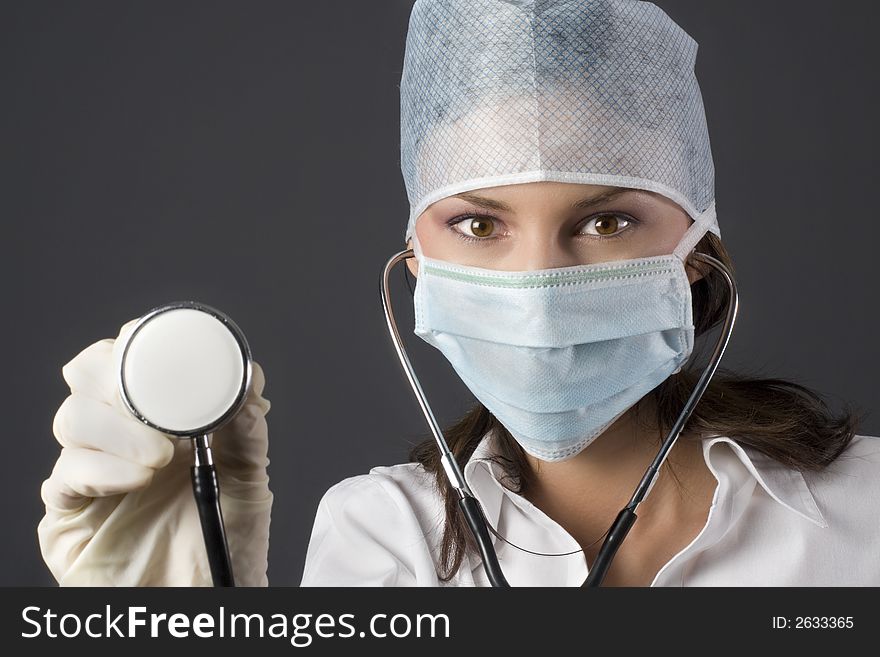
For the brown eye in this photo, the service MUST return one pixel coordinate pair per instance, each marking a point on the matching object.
(606, 225)
(481, 227)
(477, 226)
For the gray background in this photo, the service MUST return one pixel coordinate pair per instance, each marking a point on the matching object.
(245, 154)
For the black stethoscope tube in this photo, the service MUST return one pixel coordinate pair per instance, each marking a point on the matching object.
(473, 514)
(206, 491)
(625, 519)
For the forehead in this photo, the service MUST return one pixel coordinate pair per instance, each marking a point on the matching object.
(508, 198)
(545, 190)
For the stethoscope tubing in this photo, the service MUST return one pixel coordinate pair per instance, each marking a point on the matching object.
(627, 516)
(470, 506)
(206, 490)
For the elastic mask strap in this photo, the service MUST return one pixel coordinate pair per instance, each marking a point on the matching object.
(695, 232)
(417, 248)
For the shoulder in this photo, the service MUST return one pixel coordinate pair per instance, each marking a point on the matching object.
(858, 465)
(404, 489)
(381, 528)
(849, 486)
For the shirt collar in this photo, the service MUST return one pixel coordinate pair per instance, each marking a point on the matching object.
(785, 485)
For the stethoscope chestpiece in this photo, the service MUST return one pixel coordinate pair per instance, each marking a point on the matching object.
(185, 369)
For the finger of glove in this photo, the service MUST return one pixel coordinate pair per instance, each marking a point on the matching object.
(241, 446)
(258, 385)
(86, 423)
(93, 371)
(80, 474)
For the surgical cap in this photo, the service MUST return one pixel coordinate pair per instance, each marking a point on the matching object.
(603, 92)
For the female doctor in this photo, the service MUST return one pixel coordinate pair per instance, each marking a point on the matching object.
(560, 180)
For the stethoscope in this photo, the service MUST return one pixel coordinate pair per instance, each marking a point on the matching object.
(185, 369)
(469, 505)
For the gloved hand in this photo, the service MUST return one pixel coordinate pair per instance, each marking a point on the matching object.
(119, 502)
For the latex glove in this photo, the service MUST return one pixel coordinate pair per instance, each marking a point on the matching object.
(119, 502)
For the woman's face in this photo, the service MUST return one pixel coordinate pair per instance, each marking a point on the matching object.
(541, 225)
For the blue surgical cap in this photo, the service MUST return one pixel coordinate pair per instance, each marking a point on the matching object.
(603, 92)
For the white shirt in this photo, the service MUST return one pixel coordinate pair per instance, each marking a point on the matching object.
(768, 525)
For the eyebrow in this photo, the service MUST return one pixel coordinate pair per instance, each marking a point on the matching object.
(499, 206)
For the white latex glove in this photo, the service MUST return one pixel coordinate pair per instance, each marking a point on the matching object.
(119, 502)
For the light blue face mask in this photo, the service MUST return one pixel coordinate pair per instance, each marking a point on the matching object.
(557, 355)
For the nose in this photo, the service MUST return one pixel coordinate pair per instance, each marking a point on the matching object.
(542, 249)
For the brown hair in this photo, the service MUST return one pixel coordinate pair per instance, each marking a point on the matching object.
(782, 419)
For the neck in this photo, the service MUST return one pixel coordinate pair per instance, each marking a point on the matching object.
(585, 492)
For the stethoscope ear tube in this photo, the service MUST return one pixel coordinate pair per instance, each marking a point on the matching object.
(469, 505)
(627, 516)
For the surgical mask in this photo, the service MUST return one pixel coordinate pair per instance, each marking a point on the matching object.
(557, 355)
